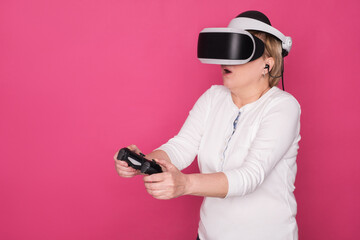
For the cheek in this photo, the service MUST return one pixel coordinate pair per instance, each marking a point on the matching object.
(242, 78)
(243, 75)
(250, 71)
(237, 79)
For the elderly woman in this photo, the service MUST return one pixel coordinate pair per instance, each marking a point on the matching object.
(245, 135)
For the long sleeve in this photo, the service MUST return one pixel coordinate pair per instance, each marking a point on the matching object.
(183, 148)
(278, 131)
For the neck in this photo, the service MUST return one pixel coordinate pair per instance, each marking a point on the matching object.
(241, 97)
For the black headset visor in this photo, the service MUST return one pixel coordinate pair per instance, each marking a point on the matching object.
(228, 46)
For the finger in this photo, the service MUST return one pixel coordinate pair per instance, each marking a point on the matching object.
(134, 148)
(165, 164)
(154, 177)
(154, 192)
(125, 169)
(159, 194)
(157, 186)
(127, 175)
(122, 163)
(115, 156)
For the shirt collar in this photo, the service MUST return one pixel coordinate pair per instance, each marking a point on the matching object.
(252, 104)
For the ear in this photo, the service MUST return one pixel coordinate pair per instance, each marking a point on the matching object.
(270, 61)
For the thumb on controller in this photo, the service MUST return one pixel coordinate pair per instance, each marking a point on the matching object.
(134, 148)
(165, 165)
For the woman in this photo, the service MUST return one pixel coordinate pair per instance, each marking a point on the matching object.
(245, 135)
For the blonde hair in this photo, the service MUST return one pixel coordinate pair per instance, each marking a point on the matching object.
(272, 49)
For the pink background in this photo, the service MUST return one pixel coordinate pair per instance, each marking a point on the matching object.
(81, 79)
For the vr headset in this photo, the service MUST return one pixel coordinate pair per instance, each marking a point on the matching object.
(235, 45)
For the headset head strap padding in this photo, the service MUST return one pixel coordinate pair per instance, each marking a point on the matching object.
(247, 23)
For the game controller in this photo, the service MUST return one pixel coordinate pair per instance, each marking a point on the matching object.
(138, 161)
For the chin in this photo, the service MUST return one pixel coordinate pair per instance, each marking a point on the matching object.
(228, 83)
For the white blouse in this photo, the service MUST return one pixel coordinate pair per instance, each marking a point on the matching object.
(257, 153)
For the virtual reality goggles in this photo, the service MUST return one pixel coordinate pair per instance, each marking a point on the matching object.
(235, 45)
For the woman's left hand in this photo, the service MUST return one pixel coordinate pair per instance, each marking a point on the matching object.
(171, 183)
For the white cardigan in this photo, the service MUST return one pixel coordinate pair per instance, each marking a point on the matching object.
(258, 158)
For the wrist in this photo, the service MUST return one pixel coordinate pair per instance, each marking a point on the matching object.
(188, 184)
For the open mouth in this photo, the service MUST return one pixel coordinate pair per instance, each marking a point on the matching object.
(226, 70)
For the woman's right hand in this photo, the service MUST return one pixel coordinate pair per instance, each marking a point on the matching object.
(122, 168)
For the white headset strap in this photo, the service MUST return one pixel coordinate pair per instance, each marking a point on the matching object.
(253, 24)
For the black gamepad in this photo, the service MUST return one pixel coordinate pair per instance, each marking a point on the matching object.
(138, 162)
